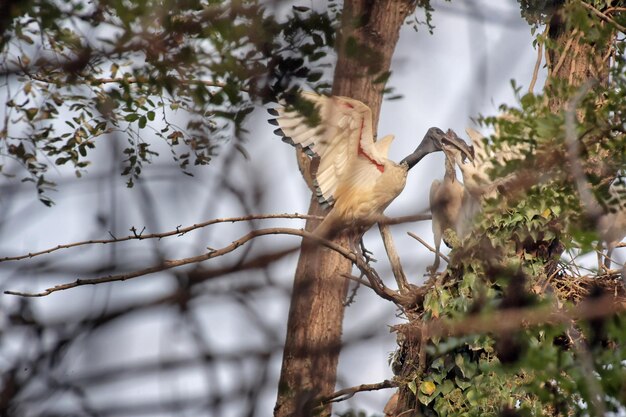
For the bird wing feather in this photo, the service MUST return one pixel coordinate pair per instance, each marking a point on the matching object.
(343, 140)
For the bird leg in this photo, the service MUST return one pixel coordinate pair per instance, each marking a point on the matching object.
(600, 253)
(607, 257)
(432, 270)
(367, 255)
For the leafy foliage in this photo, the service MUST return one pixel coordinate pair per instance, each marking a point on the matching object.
(513, 257)
(187, 73)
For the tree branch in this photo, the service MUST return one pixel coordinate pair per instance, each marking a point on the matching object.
(348, 393)
(169, 264)
(404, 219)
(179, 232)
(394, 259)
(531, 87)
(603, 16)
(375, 281)
(427, 246)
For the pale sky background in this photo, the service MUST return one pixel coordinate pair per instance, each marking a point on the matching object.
(461, 71)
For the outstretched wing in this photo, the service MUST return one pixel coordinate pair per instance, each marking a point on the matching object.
(343, 137)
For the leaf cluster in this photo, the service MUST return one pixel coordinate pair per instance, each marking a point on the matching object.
(187, 73)
(514, 253)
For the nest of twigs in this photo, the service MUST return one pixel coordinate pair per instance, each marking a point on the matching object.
(575, 288)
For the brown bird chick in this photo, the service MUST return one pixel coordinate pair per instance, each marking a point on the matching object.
(612, 225)
(447, 197)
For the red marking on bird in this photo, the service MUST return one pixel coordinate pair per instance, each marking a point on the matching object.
(361, 151)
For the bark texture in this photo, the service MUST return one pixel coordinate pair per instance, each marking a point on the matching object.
(370, 31)
(573, 60)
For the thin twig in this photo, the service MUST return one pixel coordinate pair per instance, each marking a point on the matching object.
(404, 219)
(537, 64)
(614, 9)
(168, 264)
(394, 259)
(548, 61)
(178, 232)
(261, 261)
(358, 280)
(348, 393)
(133, 80)
(427, 246)
(376, 283)
(604, 16)
(564, 54)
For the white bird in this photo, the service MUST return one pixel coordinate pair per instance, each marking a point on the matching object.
(354, 175)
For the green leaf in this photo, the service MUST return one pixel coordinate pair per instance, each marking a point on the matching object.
(142, 122)
(461, 383)
(446, 387)
(131, 117)
(437, 363)
(150, 115)
(413, 387)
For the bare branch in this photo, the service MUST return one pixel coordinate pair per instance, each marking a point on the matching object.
(603, 16)
(178, 232)
(427, 246)
(376, 283)
(565, 52)
(405, 219)
(169, 264)
(348, 393)
(260, 261)
(357, 280)
(394, 259)
(531, 87)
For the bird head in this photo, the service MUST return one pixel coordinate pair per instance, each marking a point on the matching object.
(456, 148)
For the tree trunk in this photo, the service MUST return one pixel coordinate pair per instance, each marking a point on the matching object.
(572, 59)
(368, 39)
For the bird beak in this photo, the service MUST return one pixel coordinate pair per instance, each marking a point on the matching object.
(452, 139)
(429, 144)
